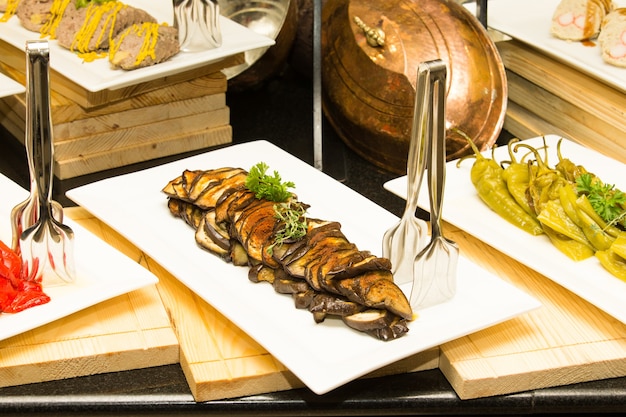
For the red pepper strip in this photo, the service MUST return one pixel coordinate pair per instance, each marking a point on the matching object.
(10, 264)
(29, 295)
(7, 293)
(16, 293)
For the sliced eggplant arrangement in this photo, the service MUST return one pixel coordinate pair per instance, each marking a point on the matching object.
(322, 270)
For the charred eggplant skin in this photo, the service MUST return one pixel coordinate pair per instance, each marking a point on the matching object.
(323, 271)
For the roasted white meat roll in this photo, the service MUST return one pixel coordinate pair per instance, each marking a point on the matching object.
(612, 38)
(579, 20)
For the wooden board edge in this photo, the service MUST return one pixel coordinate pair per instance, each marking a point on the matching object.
(129, 359)
(158, 131)
(485, 377)
(204, 388)
(146, 151)
(14, 58)
(591, 95)
(524, 124)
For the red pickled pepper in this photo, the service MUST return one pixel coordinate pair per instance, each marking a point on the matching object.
(16, 293)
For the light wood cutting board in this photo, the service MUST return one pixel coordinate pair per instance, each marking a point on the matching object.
(13, 57)
(130, 331)
(548, 96)
(218, 359)
(565, 341)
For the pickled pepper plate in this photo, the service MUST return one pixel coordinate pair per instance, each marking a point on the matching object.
(325, 355)
(102, 273)
(464, 209)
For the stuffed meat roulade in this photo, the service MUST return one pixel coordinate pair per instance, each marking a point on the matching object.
(579, 20)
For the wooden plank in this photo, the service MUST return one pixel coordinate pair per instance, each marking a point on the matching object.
(145, 151)
(63, 110)
(14, 58)
(565, 341)
(524, 124)
(157, 132)
(218, 359)
(582, 127)
(584, 109)
(590, 95)
(121, 131)
(183, 114)
(151, 148)
(127, 332)
(140, 128)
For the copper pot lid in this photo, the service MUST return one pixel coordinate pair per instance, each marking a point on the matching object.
(370, 88)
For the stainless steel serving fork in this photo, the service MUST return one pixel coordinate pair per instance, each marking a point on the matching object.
(434, 272)
(430, 267)
(47, 244)
(402, 242)
(198, 24)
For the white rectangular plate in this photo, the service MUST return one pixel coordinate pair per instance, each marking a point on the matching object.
(464, 209)
(324, 356)
(98, 75)
(102, 273)
(529, 21)
(8, 86)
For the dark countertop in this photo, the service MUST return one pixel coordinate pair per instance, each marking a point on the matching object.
(280, 111)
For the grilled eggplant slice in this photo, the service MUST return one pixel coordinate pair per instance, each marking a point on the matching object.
(323, 271)
(218, 235)
(260, 272)
(206, 241)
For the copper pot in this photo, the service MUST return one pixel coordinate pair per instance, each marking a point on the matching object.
(369, 91)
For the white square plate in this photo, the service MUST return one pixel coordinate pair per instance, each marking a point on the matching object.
(98, 75)
(529, 21)
(8, 86)
(326, 355)
(102, 273)
(463, 208)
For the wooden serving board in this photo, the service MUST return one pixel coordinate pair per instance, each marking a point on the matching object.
(565, 341)
(130, 331)
(176, 118)
(218, 359)
(14, 58)
(548, 96)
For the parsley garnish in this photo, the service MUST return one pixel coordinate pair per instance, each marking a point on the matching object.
(605, 199)
(268, 187)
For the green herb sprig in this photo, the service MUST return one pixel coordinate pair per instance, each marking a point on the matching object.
(605, 199)
(293, 217)
(266, 186)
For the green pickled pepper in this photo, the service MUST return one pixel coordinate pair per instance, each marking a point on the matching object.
(486, 176)
(517, 176)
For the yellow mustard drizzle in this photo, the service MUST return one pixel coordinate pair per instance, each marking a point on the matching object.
(150, 34)
(95, 13)
(56, 10)
(10, 10)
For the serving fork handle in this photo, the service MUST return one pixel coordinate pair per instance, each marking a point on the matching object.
(436, 161)
(39, 120)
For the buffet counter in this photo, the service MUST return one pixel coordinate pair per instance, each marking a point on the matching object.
(280, 111)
